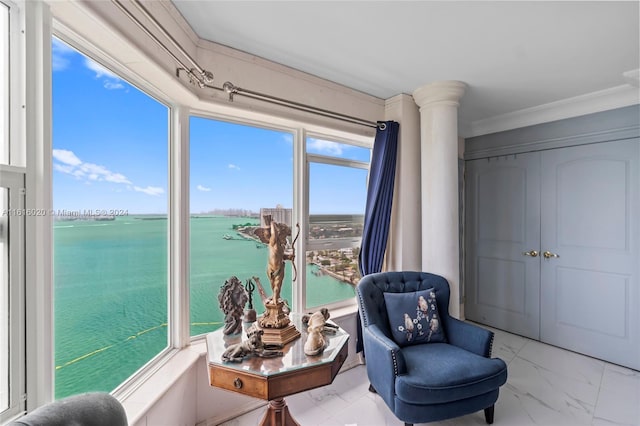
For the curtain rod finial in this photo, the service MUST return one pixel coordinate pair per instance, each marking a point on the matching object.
(207, 76)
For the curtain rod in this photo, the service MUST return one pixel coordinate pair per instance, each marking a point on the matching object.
(204, 79)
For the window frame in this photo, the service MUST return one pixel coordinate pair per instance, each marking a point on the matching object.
(186, 173)
(14, 180)
(176, 338)
(5, 98)
(334, 243)
(13, 174)
(300, 210)
(15, 84)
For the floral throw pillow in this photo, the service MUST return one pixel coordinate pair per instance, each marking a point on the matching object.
(414, 317)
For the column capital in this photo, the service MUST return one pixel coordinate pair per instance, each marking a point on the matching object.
(445, 93)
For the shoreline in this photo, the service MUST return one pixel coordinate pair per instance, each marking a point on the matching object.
(334, 275)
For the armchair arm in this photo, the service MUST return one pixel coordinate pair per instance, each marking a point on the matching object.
(469, 337)
(91, 409)
(384, 362)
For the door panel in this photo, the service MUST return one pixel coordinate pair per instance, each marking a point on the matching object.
(503, 222)
(590, 210)
(583, 297)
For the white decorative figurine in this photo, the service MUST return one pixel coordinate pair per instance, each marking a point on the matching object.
(316, 323)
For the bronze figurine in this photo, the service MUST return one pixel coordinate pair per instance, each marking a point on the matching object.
(232, 298)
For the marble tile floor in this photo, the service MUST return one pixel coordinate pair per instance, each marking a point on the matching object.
(546, 386)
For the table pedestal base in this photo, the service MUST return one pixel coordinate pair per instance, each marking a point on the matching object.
(278, 414)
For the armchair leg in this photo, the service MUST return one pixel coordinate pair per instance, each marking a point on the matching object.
(488, 414)
(372, 389)
(408, 424)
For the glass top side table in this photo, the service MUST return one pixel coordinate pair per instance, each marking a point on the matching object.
(272, 379)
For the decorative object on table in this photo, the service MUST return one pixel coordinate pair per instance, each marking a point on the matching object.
(232, 298)
(253, 346)
(263, 296)
(316, 342)
(316, 326)
(275, 321)
(321, 316)
(250, 313)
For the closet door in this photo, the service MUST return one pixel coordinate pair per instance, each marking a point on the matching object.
(502, 243)
(590, 219)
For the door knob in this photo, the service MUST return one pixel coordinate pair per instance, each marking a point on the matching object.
(532, 253)
(548, 255)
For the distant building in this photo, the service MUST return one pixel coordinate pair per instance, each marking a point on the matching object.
(346, 251)
(278, 214)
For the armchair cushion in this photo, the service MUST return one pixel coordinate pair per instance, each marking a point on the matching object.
(413, 317)
(440, 372)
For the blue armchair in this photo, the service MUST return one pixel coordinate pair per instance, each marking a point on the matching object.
(426, 382)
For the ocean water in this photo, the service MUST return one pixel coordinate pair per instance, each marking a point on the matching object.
(110, 283)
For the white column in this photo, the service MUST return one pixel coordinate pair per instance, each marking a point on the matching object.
(438, 104)
(404, 247)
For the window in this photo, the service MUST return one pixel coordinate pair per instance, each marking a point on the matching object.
(12, 233)
(4, 205)
(12, 90)
(11, 285)
(110, 177)
(237, 174)
(337, 189)
(4, 84)
(5, 329)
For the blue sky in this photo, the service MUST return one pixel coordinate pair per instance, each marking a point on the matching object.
(110, 151)
(109, 139)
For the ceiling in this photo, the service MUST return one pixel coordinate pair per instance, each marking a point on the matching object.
(512, 55)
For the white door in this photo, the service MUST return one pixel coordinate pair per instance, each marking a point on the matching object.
(590, 220)
(502, 243)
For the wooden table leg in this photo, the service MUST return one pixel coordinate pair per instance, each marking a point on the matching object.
(278, 414)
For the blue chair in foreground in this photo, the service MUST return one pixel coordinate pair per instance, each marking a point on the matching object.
(425, 365)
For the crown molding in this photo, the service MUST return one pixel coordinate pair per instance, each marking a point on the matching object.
(603, 100)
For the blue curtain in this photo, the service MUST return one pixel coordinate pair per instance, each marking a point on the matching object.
(379, 199)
